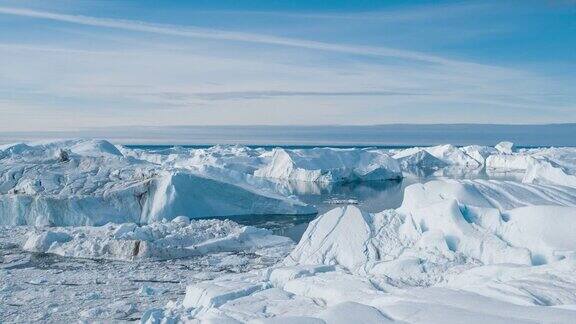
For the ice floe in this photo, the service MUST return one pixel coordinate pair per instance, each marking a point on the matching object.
(179, 238)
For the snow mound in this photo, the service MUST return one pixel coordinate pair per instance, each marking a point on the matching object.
(329, 165)
(178, 238)
(502, 195)
(335, 297)
(95, 148)
(455, 222)
(381, 243)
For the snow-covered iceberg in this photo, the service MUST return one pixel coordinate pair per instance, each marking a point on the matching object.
(93, 183)
(178, 238)
(442, 159)
(448, 154)
(455, 251)
(556, 166)
(329, 165)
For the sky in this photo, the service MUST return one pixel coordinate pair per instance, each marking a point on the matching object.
(67, 65)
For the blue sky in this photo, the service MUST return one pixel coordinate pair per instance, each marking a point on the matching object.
(75, 64)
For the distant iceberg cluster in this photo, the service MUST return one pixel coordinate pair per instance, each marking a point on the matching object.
(486, 235)
(92, 182)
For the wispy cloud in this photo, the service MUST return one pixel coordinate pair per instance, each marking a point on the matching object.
(131, 72)
(35, 48)
(393, 15)
(197, 32)
(272, 94)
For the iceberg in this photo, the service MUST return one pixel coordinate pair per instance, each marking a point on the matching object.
(420, 163)
(504, 147)
(449, 154)
(329, 165)
(456, 250)
(93, 183)
(179, 238)
(452, 251)
(556, 166)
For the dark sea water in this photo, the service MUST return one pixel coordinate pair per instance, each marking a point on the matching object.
(373, 135)
(370, 196)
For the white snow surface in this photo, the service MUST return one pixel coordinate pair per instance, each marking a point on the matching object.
(329, 165)
(179, 238)
(456, 251)
(115, 234)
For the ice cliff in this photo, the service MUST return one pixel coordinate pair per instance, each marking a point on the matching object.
(89, 182)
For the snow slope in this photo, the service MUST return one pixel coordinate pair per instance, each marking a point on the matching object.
(455, 251)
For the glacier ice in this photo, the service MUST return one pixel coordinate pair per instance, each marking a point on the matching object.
(467, 250)
(329, 165)
(504, 147)
(179, 238)
(456, 250)
(97, 184)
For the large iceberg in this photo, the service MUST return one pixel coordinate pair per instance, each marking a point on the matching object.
(455, 251)
(329, 165)
(450, 251)
(93, 183)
